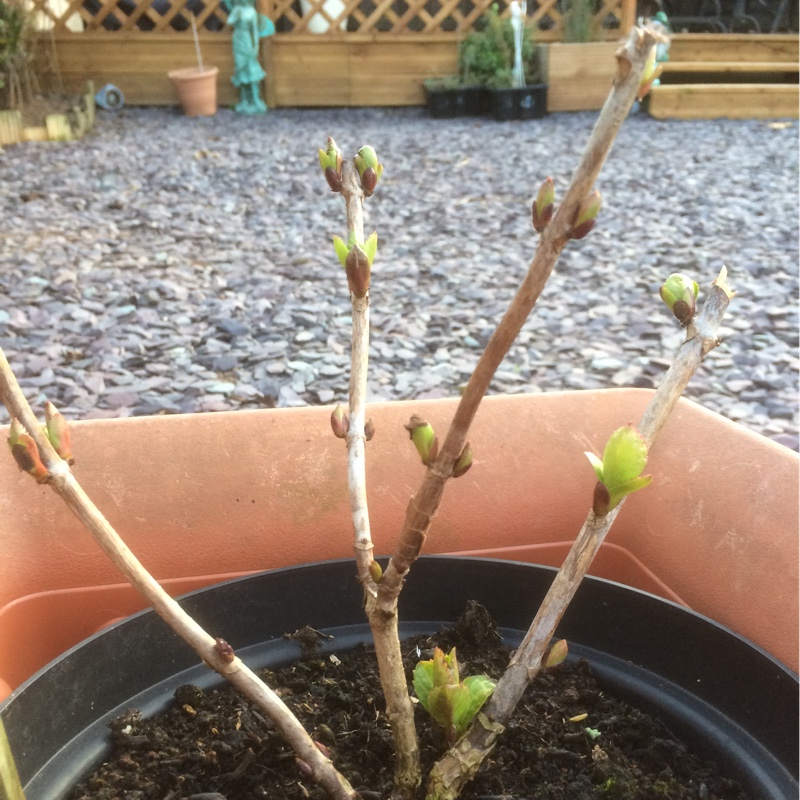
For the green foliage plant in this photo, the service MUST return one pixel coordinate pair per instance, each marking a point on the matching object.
(579, 22)
(15, 32)
(486, 56)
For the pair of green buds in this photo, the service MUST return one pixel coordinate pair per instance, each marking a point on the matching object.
(340, 424)
(366, 161)
(356, 258)
(427, 443)
(544, 206)
(25, 451)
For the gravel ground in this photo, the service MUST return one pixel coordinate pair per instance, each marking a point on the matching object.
(166, 265)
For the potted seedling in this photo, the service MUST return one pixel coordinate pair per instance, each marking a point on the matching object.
(474, 712)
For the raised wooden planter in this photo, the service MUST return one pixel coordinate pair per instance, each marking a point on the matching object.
(741, 76)
(57, 127)
(579, 75)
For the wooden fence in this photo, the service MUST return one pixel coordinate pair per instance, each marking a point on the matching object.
(325, 52)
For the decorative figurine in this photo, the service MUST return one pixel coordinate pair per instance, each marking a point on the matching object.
(248, 27)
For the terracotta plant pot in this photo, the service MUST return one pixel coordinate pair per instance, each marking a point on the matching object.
(197, 90)
(725, 698)
(231, 493)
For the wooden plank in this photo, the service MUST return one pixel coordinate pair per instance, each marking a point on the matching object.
(579, 75)
(734, 47)
(730, 66)
(734, 101)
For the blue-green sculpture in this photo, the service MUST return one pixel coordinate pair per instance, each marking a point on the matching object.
(248, 27)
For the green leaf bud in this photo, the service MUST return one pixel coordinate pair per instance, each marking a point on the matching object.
(557, 654)
(369, 170)
(543, 205)
(424, 438)
(586, 216)
(679, 293)
(330, 160)
(464, 461)
(375, 571)
(25, 452)
(365, 158)
(58, 432)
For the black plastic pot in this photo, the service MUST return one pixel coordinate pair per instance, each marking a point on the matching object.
(723, 695)
(467, 101)
(527, 103)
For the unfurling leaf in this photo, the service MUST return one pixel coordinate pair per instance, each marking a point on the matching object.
(624, 458)
(679, 293)
(341, 249)
(451, 702)
(586, 216)
(371, 246)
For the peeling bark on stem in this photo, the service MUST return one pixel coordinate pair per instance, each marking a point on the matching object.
(383, 621)
(64, 483)
(461, 763)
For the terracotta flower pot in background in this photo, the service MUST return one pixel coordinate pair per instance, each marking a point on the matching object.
(199, 496)
(197, 90)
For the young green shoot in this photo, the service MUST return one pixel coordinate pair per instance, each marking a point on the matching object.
(452, 702)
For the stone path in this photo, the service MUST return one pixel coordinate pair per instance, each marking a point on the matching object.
(168, 265)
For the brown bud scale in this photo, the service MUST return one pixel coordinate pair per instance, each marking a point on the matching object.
(224, 651)
(601, 501)
(334, 179)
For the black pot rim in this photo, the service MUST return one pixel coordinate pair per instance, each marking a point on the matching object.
(651, 649)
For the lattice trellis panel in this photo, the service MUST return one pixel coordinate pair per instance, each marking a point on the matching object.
(322, 17)
(156, 16)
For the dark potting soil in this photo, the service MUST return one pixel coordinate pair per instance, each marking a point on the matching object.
(569, 739)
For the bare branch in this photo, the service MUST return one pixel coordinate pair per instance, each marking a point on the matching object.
(64, 483)
(631, 62)
(461, 763)
(384, 626)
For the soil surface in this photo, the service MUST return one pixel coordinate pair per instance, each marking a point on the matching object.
(569, 739)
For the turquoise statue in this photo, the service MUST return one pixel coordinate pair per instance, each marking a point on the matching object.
(248, 27)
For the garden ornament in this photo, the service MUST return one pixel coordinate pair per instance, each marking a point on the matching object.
(248, 27)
